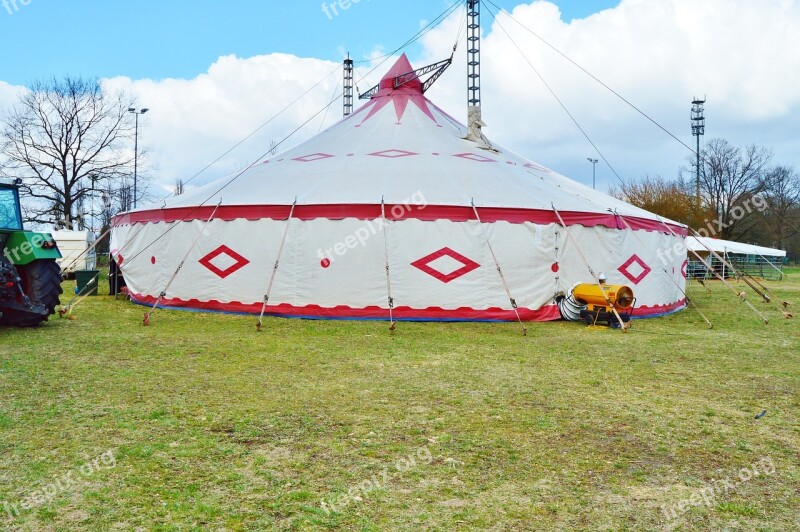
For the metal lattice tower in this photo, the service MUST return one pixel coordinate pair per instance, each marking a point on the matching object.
(474, 53)
(698, 130)
(347, 96)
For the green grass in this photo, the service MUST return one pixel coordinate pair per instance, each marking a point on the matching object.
(213, 425)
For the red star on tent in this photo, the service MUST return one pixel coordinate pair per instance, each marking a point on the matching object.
(408, 92)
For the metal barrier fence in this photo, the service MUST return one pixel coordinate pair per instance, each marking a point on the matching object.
(769, 268)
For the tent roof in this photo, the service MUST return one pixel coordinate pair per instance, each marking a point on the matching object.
(700, 244)
(400, 147)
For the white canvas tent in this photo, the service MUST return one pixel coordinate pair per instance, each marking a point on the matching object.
(757, 261)
(703, 244)
(377, 212)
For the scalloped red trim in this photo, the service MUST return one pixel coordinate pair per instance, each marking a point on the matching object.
(373, 212)
(545, 313)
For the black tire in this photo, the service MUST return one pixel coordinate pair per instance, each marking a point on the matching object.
(41, 281)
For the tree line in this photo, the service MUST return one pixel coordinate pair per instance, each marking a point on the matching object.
(743, 196)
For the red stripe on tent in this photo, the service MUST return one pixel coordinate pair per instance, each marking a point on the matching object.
(393, 212)
(546, 313)
(657, 310)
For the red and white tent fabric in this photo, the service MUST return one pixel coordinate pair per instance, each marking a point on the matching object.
(394, 184)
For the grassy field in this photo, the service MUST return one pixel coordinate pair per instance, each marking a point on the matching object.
(199, 422)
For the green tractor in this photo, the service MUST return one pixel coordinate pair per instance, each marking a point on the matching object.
(30, 277)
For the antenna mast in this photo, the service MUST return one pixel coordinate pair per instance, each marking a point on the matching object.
(474, 53)
(347, 96)
(474, 119)
(698, 130)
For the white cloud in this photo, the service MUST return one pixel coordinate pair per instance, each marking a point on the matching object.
(192, 122)
(8, 94)
(743, 55)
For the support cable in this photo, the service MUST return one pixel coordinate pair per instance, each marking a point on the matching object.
(553, 93)
(595, 78)
(781, 272)
(615, 93)
(66, 310)
(730, 266)
(623, 326)
(499, 270)
(685, 295)
(741, 296)
(180, 265)
(421, 33)
(386, 256)
(334, 97)
(275, 268)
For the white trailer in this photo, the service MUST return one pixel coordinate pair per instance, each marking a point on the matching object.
(72, 244)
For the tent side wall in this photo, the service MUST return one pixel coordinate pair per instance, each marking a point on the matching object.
(439, 270)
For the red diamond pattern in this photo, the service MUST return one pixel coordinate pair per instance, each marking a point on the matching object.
(685, 269)
(536, 167)
(393, 154)
(625, 269)
(424, 265)
(313, 157)
(475, 157)
(208, 262)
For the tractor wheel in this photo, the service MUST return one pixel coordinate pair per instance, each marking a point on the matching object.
(41, 281)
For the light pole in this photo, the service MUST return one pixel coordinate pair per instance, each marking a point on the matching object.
(136, 113)
(594, 168)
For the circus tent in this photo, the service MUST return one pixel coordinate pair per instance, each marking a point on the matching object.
(393, 211)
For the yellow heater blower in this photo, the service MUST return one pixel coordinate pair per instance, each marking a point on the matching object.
(590, 303)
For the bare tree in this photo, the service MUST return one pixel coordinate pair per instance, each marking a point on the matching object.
(179, 187)
(782, 192)
(63, 138)
(663, 197)
(729, 178)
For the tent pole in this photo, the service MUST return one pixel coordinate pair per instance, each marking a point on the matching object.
(716, 273)
(730, 266)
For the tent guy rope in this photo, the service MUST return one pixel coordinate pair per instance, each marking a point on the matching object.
(726, 283)
(386, 255)
(685, 295)
(163, 293)
(622, 325)
(499, 270)
(275, 267)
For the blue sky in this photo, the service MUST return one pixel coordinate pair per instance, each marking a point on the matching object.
(180, 38)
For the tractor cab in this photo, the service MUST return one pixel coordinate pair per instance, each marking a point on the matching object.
(30, 278)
